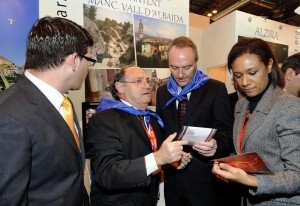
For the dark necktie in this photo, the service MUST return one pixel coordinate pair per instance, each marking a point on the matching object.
(181, 111)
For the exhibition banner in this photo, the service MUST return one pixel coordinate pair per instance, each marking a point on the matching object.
(126, 32)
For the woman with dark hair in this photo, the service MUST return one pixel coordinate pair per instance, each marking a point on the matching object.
(267, 121)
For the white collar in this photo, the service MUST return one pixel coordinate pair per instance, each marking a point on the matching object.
(52, 94)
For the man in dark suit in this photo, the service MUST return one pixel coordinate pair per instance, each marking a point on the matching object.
(42, 160)
(208, 105)
(125, 144)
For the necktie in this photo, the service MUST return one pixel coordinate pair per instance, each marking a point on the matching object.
(180, 114)
(181, 111)
(69, 118)
(150, 132)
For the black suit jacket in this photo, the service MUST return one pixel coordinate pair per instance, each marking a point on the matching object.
(208, 106)
(117, 143)
(40, 162)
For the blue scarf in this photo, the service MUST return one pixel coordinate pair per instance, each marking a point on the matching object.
(198, 80)
(107, 103)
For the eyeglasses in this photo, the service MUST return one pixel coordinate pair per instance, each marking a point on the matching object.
(91, 61)
(138, 82)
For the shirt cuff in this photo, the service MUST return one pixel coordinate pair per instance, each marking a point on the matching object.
(151, 165)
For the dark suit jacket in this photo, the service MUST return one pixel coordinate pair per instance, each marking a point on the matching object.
(208, 106)
(116, 143)
(40, 162)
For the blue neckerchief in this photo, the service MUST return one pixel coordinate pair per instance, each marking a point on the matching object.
(198, 80)
(107, 103)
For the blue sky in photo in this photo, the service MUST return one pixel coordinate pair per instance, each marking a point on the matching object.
(13, 36)
(155, 27)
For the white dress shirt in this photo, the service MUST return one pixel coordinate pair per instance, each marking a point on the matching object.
(52, 94)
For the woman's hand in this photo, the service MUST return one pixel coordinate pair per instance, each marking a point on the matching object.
(226, 172)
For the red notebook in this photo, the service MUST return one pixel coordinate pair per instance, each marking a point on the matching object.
(249, 162)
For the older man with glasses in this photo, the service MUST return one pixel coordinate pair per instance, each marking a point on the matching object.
(125, 144)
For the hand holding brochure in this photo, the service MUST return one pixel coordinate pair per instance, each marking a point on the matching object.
(196, 135)
(249, 162)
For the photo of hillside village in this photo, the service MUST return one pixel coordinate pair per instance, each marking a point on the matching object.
(152, 39)
(15, 24)
(113, 35)
(123, 39)
(9, 73)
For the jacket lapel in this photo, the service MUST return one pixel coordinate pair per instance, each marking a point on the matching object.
(192, 104)
(258, 115)
(170, 112)
(241, 108)
(47, 111)
(82, 150)
(132, 121)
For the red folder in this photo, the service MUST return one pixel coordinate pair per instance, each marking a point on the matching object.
(249, 162)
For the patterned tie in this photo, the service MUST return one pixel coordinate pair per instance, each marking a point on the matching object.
(69, 118)
(152, 137)
(181, 111)
(180, 114)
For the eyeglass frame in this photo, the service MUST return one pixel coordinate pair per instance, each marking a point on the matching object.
(94, 61)
(138, 82)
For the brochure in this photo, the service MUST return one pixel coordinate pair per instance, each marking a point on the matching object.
(249, 162)
(196, 135)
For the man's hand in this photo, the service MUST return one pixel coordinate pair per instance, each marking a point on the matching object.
(185, 160)
(206, 149)
(169, 151)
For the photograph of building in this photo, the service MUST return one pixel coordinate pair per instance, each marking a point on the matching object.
(152, 38)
